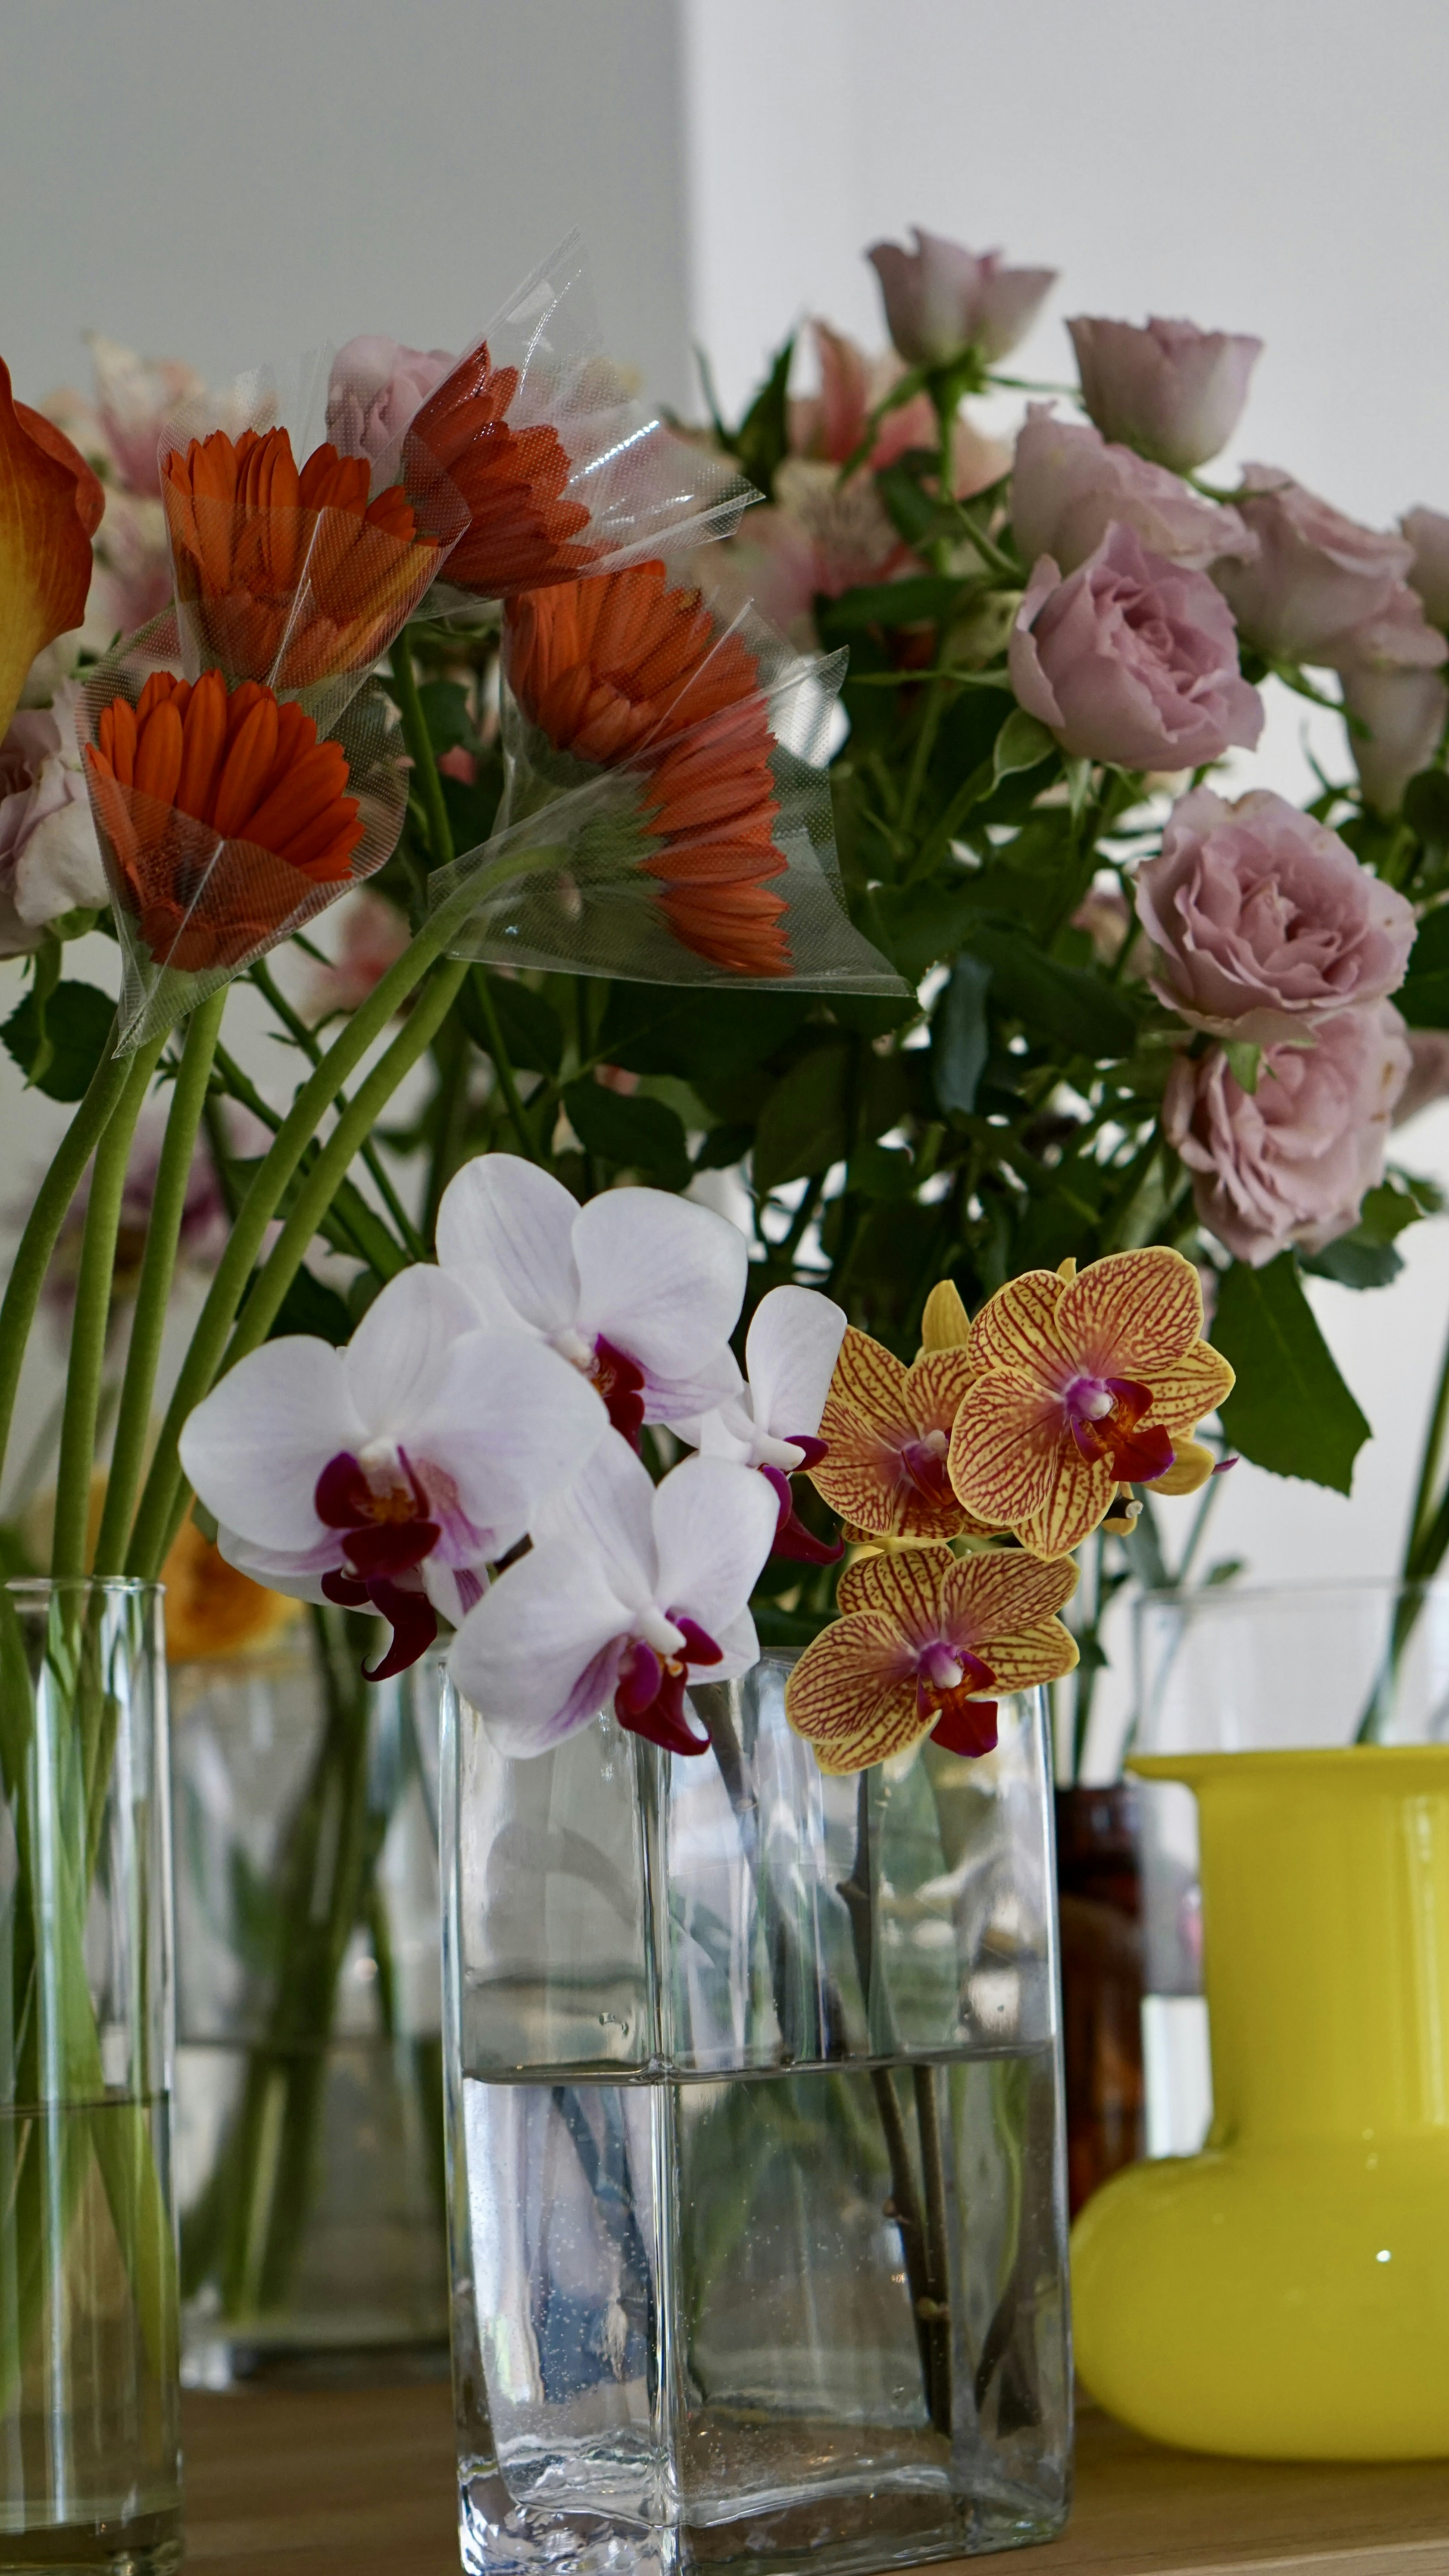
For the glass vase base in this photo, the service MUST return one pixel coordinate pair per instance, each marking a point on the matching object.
(152, 2546)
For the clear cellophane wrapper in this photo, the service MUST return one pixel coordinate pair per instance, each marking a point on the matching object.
(192, 909)
(591, 480)
(602, 891)
(304, 600)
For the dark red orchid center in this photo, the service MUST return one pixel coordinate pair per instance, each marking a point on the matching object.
(792, 1538)
(923, 1466)
(620, 1382)
(1103, 1414)
(386, 1534)
(946, 1678)
(649, 1696)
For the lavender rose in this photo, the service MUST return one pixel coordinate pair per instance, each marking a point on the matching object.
(376, 388)
(1265, 923)
(1404, 713)
(1427, 531)
(1172, 391)
(1321, 588)
(1290, 1162)
(1068, 486)
(942, 300)
(50, 862)
(1132, 659)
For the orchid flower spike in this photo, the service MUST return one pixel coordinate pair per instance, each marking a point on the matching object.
(640, 1290)
(393, 1472)
(773, 1423)
(629, 1592)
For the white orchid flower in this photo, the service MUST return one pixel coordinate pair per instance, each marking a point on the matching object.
(772, 1423)
(629, 1592)
(394, 1471)
(640, 1290)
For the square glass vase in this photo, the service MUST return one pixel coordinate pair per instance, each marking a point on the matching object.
(756, 2174)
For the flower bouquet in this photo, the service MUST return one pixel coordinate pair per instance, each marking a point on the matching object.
(818, 926)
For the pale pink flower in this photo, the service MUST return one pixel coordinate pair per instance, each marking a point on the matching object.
(1405, 712)
(1265, 923)
(1291, 1161)
(131, 581)
(1107, 918)
(1132, 659)
(942, 300)
(1068, 487)
(372, 935)
(1428, 1073)
(1321, 588)
(1427, 531)
(376, 388)
(832, 423)
(50, 861)
(136, 400)
(1171, 390)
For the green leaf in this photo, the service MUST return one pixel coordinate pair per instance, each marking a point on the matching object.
(723, 1146)
(529, 1026)
(1355, 1262)
(1423, 996)
(1071, 1005)
(634, 1135)
(1244, 1060)
(928, 599)
(1290, 1410)
(802, 1126)
(60, 1043)
(309, 1306)
(762, 441)
(1401, 1199)
(445, 711)
(1426, 809)
(882, 1172)
(918, 925)
(960, 1038)
(1021, 743)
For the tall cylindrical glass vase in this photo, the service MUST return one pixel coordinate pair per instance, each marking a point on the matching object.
(89, 2454)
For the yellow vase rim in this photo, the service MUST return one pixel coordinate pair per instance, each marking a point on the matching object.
(1293, 1761)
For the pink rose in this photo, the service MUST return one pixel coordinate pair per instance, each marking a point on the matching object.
(50, 862)
(376, 387)
(1427, 531)
(1132, 659)
(1290, 1162)
(1264, 921)
(1428, 1073)
(942, 300)
(1173, 391)
(1068, 486)
(1405, 712)
(832, 423)
(1321, 588)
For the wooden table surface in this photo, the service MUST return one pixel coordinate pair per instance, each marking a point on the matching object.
(298, 2483)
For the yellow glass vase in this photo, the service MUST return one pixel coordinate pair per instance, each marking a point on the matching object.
(1285, 2294)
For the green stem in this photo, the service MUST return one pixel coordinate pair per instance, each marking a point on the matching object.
(306, 1039)
(420, 747)
(37, 1243)
(502, 1063)
(158, 1268)
(1421, 1517)
(353, 1225)
(92, 1317)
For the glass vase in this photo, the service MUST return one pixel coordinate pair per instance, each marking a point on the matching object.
(309, 2130)
(1099, 1890)
(757, 2190)
(89, 2459)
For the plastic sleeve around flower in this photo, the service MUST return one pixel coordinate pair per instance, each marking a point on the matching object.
(192, 907)
(561, 469)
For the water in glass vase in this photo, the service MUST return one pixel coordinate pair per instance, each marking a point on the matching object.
(88, 2414)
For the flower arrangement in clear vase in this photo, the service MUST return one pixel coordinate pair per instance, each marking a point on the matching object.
(848, 1018)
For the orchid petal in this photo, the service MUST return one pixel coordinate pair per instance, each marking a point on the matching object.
(1187, 1391)
(725, 1432)
(512, 1424)
(1018, 1329)
(608, 1511)
(1080, 1495)
(871, 1382)
(714, 1526)
(542, 1631)
(393, 1360)
(661, 1279)
(945, 1324)
(506, 1230)
(681, 1399)
(1030, 1657)
(1004, 1449)
(990, 1599)
(852, 1695)
(453, 1589)
(1192, 1464)
(297, 1571)
(1131, 1314)
(935, 1386)
(904, 1586)
(256, 1446)
(790, 1354)
(739, 1651)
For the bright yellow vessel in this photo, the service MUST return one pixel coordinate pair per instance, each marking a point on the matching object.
(1285, 2294)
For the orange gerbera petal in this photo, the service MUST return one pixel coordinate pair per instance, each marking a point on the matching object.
(522, 532)
(50, 505)
(1131, 1314)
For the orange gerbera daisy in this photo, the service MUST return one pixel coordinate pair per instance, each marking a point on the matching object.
(887, 1430)
(521, 530)
(192, 769)
(626, 670)
(926, 1644)
(1080, 1385)
(50, 508)
(295, 576)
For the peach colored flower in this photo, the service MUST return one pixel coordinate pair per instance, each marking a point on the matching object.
(925, 1644)
(887, 1430)
(1079, 1385)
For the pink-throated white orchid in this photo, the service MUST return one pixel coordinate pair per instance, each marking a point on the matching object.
(640, 1290)
(630, 1592)
(394, 1472)
(773, 1423)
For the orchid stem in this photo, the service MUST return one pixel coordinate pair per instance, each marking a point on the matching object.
(158, 1269)
(87, 1359)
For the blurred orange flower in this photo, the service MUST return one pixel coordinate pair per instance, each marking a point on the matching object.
(211, 1609)
(50, 507)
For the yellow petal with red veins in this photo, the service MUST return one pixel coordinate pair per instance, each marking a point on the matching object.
(905, 1587)
(1003, 1454)
(1033, 1656)
(1184, 1394)
(1081, 1494)
(994, 1597)
(852, 1694)
(1017, 1329)
(871, 1381)
(945, 1324)
(1192, 1464)
(1132, 1314)
(49, 503)
(934, 1388)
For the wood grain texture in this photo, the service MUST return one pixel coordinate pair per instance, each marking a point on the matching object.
(304, 2483)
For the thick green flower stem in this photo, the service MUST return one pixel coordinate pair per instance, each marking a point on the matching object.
(92, 1317)
(420, 750)
(48, 1215)
(158, 1269)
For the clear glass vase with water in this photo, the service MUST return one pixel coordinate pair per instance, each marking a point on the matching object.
(756, 2174)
